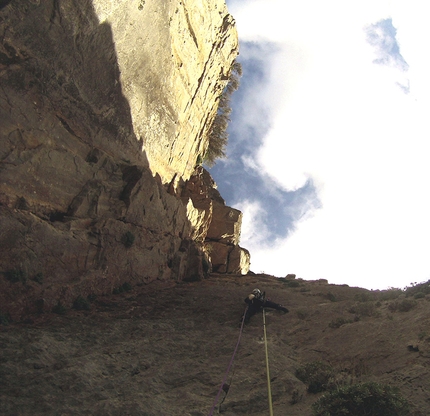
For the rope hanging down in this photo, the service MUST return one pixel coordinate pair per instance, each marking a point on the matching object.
(229, 366)
(269, 390)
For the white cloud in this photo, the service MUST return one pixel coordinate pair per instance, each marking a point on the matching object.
(253, 224)
(343, 121)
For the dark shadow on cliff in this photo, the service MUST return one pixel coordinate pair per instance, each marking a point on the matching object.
(61, 52)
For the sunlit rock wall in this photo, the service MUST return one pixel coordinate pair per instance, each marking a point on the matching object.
(101, 104)
(174, 59)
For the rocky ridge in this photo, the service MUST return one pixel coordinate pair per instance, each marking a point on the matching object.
(104, 112)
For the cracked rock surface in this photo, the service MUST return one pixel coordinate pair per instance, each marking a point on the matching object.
(102, 104)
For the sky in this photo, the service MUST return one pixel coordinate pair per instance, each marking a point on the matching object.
(329, 140)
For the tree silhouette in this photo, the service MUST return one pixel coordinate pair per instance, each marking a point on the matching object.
(218, 136)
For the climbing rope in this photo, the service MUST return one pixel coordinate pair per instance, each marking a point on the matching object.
(229, 366)
(269, 390)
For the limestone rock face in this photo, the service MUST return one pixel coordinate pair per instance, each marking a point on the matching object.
(215, 223)
(239, 261)
(174, 57)
(225, 225)
(89, 92)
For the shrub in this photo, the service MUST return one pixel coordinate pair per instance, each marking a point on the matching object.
(81, 304)
(365, 399)
(59, 309)
(390, 294)
(296, 397)
(418, 288)
(338, 322)
(38, 278)
(419, 295)
(92, 297)
(363, 309)
(404, 305)
(330, 296)
(126, 287)
(4, 319)
(16, 276)
(218, 135)
(290, 283)
(362, 297)
(316, 375)
(128, 239)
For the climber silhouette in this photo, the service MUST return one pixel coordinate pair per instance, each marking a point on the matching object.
(257, 301)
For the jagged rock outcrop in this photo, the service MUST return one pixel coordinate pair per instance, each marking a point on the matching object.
(102, 104)
(215, 223)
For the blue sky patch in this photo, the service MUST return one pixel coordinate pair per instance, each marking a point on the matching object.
(238, 177)
(382, 36)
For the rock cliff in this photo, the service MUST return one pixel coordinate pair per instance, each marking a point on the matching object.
(174, 58)
(104, 111)
(215, 223)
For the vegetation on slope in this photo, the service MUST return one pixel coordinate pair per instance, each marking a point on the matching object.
(218, 136)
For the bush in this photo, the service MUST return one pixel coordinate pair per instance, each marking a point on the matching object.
(338, 322)
(316, 375)
(404, 305)
(128, 239)
(59, 309)
(81, 304)
(290, 283)
(363, 309)
(418, 288)
(92, 297)
(126, 287)
(16, 276)
(362, 297)
(38, 278)
(419, 295)
(390, 294)
(330, 296)
(4, 319)
(365, 399)
(218, 135)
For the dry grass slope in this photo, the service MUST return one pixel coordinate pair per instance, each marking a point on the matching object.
(163, 348)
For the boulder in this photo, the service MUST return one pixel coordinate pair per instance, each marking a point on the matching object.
(239, 261)
(225, 225)
(215, 223)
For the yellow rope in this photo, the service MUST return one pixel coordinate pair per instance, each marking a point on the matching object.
(269, 390)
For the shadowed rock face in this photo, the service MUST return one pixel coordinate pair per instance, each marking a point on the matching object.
(164, 348)
(215, 224)
(89, 91)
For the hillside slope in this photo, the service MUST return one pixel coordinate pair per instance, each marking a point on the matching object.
(163, 349)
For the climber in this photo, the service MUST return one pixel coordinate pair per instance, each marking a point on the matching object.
(256, 301)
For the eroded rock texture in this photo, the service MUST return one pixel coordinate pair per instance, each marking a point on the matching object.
(215, 224)
(89, 92)
(174, 58)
